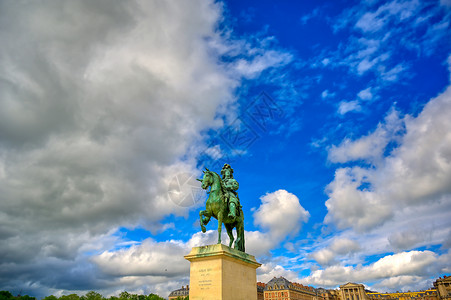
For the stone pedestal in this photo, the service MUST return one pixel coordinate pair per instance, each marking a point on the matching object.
(218, 272)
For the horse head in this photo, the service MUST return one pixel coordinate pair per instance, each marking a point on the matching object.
(207, 179)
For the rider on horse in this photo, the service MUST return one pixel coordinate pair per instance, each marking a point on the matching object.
(223, 204)
(231, 196)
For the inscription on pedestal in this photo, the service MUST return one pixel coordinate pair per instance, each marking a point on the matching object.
(205, 279)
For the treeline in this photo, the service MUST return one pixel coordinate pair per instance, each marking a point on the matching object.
(5, 295)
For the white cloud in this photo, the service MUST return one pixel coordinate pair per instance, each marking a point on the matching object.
(269, 270)
(269, 59)
(404, 263)
(404, 267)
(149, 258)
(150, 265)
(325, 61)
(370, 22)
(277, 206)
(348, 106)
(375, 21)
(338, 247)
(350, 205)
(392, 74)
(370, 147)
(365, 94)
(380, 31)
(344, 246)
(403, 283)
(409, 238)
(324, 256)
(417, 172)
(326, 94)
(260, 243)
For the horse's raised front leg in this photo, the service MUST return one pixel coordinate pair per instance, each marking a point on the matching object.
(204, 221)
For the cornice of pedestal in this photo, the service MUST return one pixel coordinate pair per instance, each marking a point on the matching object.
(218, 251)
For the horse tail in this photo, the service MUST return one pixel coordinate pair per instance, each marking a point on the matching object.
(240, 239)
(240, 232)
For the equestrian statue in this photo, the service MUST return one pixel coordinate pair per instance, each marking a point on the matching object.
(223, 204)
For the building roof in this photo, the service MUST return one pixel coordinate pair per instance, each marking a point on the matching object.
(281, 283)
(278, 283)
(351, 284)
(444, 279)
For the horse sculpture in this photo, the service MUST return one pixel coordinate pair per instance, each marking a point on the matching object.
(217, 207)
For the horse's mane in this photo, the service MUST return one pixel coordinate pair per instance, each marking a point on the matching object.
(220, 181)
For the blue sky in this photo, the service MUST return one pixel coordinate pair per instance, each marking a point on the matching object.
(334, 116)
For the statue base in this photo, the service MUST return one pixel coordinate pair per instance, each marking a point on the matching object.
(218, 272)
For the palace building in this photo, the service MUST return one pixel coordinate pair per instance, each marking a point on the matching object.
(430, 294)
(352, 291)
(180, 293)
(260, 290)
(279, 288)
(282, 289)
(443, 287)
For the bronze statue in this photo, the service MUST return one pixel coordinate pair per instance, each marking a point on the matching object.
(230, 186)
(223, 204)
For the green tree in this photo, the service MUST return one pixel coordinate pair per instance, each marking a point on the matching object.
(25, 297)
(124, 295)
(154, 297)
(69, 297)
(92, 296)
(51, 297)
(5, 295)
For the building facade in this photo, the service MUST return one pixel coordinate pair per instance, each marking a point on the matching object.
(261, 290)
(353, 291)
(430, 294)
(443, 287)
(180, 293)
(281, 289)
